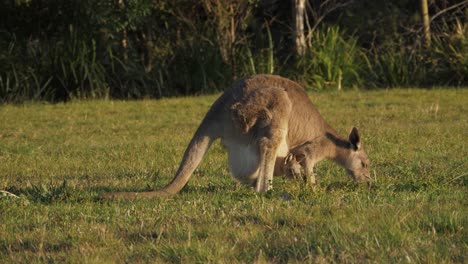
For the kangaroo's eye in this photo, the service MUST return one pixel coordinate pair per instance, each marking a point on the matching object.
(364, 165)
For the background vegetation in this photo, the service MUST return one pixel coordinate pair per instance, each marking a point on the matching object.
(59, 157)
(56, 50)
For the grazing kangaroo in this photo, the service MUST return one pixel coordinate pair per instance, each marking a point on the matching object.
(309, 153)
(257, 120)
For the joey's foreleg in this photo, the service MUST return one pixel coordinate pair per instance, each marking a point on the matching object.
(310, 175)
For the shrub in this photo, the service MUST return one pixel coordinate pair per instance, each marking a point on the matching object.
(449, 55)
(332, 61)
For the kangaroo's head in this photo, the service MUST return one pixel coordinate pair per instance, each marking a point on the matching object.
(356, 161)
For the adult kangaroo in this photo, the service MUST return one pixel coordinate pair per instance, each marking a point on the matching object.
(258, 120)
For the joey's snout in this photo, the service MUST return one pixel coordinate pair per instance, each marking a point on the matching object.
(360, 176)
(293, 173)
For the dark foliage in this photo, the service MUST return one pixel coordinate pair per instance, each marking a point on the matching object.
(58, 50)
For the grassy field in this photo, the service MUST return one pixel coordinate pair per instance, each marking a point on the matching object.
(59, 158)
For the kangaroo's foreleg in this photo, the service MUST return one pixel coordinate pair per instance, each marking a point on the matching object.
(272, 137)
(268, 149)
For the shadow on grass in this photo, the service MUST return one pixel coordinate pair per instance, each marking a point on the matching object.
(410, 187)
(53, 192)
(141, 237)
(34, 246)
(211, 188)
(186, 190)
(395, 187)
(62, 192)
(249, 219)
(44, 193)
(348, 186)
(47, 193)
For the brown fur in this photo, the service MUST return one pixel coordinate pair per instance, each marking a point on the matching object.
(257, 120)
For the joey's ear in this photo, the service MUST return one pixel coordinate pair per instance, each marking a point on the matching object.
(288, 158)
(355, 138)
(300, 157)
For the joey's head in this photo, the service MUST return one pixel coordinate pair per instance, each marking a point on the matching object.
(292, 165)
(356, 162)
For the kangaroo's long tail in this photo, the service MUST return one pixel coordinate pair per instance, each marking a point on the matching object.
(193, 155)
(196, 150)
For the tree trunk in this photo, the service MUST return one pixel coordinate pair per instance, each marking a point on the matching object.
(426, 23)
(300, 43)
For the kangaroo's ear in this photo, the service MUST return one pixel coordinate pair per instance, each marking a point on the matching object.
(288, 158)
(355, 139)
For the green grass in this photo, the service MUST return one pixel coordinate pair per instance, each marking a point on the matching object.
(59, 158)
